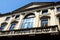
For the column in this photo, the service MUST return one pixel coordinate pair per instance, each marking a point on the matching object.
(53, 18)
(8, 25)
(57, 18)
(36, 20)
(18, 26)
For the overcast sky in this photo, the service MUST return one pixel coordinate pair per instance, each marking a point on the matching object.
(10, 5)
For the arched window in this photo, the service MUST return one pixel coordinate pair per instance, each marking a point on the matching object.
(3, 25)
(28, 21)
(13, 24)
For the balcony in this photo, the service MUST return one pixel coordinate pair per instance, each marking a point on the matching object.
(40, 30)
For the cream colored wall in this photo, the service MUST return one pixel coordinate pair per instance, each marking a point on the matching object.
(57, 18)
(37, 22)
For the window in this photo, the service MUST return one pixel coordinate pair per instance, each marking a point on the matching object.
(7, 18)
(17, 16)
(44, 22)
(12, 26)
(28, 22)
(3, 25)
(44, 11)
(58, 9)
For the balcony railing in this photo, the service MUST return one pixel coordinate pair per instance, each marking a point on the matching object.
(40, 30)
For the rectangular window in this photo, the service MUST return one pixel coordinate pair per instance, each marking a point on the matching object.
(7, 18)
(44, 11)
(12, 26)
(44, 22)
(27, 23)
(2, 27)
(58, 9)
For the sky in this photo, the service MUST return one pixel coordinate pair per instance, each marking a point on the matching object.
(11, 5)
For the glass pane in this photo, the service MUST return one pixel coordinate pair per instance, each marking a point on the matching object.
(22, 25)
(29, 25)
(25, 26)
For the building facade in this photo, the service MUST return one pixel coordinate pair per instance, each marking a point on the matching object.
(34, 18)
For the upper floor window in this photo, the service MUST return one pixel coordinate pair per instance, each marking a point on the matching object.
(13, 15)
(7, 18)
(17, 16)
(44, 22)
(13, 24)
(58, 9)
(44, 11)
(28, 21)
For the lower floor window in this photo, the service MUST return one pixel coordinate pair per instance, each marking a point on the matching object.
(27, 23)
(44, 22)
(12, 26)
(2, 27)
